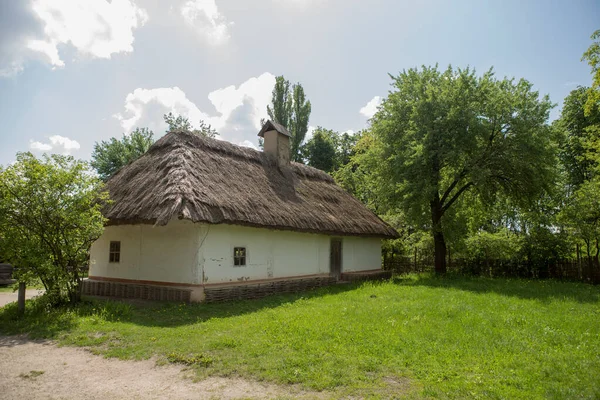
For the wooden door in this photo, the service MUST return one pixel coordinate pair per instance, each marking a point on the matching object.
(335, 258)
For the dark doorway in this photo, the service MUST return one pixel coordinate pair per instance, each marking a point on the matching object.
(335, 258)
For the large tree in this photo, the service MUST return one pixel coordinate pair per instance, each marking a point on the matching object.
(320, 150)
(49, 217)
(592, 56)
(298, 121)
(441, 134)
(328, 150)
(109, 156)
(280, 109)
(579, 130)
(290, 108)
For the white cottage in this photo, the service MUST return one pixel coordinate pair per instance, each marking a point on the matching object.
(198, 219)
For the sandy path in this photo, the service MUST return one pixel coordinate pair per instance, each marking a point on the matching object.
(9, 297)
(74, 373)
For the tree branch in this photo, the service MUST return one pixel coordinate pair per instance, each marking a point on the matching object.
(456, 196)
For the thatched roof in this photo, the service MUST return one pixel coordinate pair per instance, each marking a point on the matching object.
(207, 180)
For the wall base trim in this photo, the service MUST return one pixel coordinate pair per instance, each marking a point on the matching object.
(91, 287)
(372, 275)
(217, 292)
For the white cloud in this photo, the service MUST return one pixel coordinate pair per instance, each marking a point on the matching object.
(371, 107)
(238, 109)
(146, 107)
(96, 28)
(309, 133)
(247, 143)
(349, 132)
(205, 18)
(39, 146)
(58, 144)
(254, 94)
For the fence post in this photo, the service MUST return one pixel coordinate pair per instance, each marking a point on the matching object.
(21, 299)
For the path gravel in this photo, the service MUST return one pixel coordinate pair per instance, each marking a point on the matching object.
(42, 370)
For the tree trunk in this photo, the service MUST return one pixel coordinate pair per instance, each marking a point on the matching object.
(589, 253)
(579, 269)
(21, 299)
(440, 252)
(438, 236)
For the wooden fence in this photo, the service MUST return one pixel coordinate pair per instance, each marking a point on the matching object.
(583, 270)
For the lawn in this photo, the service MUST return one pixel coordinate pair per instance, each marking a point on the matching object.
(417, 337)
(7, 289)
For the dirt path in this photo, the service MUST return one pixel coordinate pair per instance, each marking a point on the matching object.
(42, 370)
(9, 297)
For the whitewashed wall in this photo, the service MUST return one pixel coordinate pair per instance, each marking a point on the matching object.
(163, 253)
(360, 254)
(183, 252)
(270, 254)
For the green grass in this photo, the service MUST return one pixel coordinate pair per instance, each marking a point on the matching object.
(7, 289)
(417, 337)
(14, 287)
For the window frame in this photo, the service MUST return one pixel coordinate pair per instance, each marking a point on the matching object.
(238, 259)
(114, 253)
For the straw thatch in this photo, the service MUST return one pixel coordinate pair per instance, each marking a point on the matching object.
(207, 180)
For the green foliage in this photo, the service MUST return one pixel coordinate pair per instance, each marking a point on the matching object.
(581, 215)
(292, 110)
(440, 134)
(328, 150)
(502, 245)
(49, 217)
(110, 156)
(180, 123)
(346, 144)
(280, 109)
(298, 121)
(358, 179)
(592, 56)
(579, 130)
(454, 337)
(320, 150)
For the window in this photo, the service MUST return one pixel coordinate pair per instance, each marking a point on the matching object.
(114, 255)
(239, 256)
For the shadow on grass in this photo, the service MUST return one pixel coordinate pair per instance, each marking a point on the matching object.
(41, 321)
(175, 314)
(541, 290)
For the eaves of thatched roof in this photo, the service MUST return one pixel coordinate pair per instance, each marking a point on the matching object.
(207, 180)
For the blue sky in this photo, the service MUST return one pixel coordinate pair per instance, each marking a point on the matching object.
(76, 72)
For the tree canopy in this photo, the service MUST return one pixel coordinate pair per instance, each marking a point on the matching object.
(110, 156)
(592, 56)
(49, 217)
(320, 150)
(440, 134)
(181, 123)
(290, 108)
(280, 109)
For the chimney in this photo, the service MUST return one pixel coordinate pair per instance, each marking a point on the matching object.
(277, 142)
